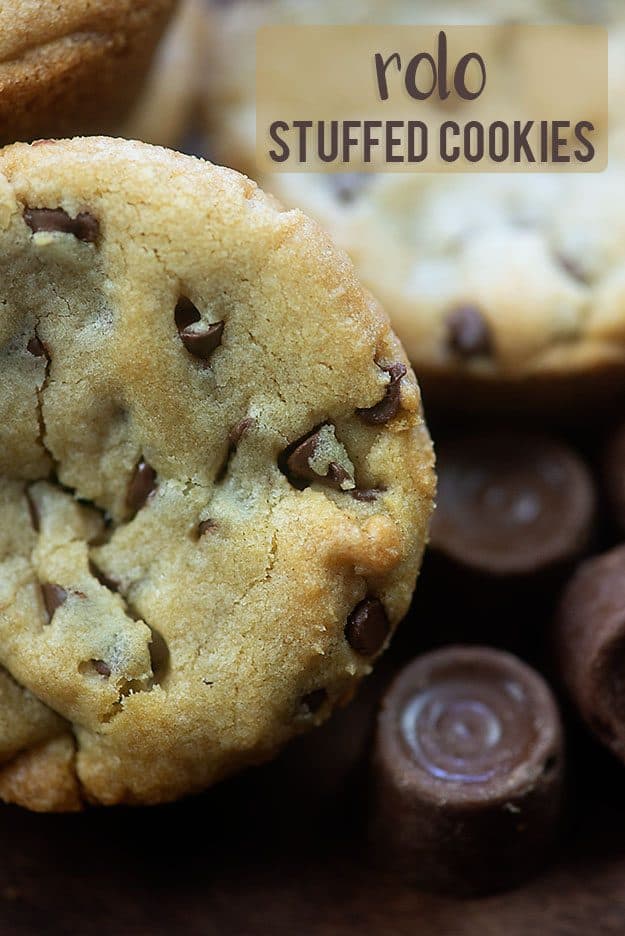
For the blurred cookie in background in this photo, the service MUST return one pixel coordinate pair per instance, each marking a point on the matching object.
(229, 90)
(74, 66)
(229, 79)
(165, 110)
(506, 281)
(504, 278)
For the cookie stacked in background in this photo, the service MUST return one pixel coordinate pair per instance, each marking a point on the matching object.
(74, 66)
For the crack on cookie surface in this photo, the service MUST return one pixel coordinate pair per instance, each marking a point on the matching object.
(40, 392)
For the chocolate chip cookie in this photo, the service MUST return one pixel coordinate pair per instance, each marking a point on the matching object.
(73, 66)
(216, 475)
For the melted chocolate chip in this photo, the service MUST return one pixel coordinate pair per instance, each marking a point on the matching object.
(185, 313)
(141, 485)
(205, 526)
(336, 475)
(201, 339)
(102, 668)
(84, 226)
(36, 347)
(367, 627)
(468, 333)
(53, 597)
(366, 494)
(297, 460)
(295, 463)
(388, 406)
(237, 432)
(314, 700)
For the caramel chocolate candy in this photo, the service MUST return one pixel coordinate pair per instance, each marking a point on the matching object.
(511, 504)
(590, 645)
(614, 474)
(467, 771)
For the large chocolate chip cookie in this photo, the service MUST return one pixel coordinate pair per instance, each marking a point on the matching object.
(216, 475)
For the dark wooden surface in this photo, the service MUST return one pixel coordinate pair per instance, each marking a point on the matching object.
(280, 850)
(241, 861)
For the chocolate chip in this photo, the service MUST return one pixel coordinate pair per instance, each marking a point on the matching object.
(53, 597)
(337, 475)
(205, 526)
(201, 339)
(141, 485)
(36, 347)
(298, 459)
(367, 627)
(388, 406)
(237, 432)
(102, 668)
(110, 583)
(84, 226)
(348, 185)
(185, 313)
(574, 270)
(314, 700)
(366, 494)
(468, 333)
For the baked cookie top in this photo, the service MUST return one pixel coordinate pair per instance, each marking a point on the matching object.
(487, 277)
(492, 276)
(73, 65)
(217, 478)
